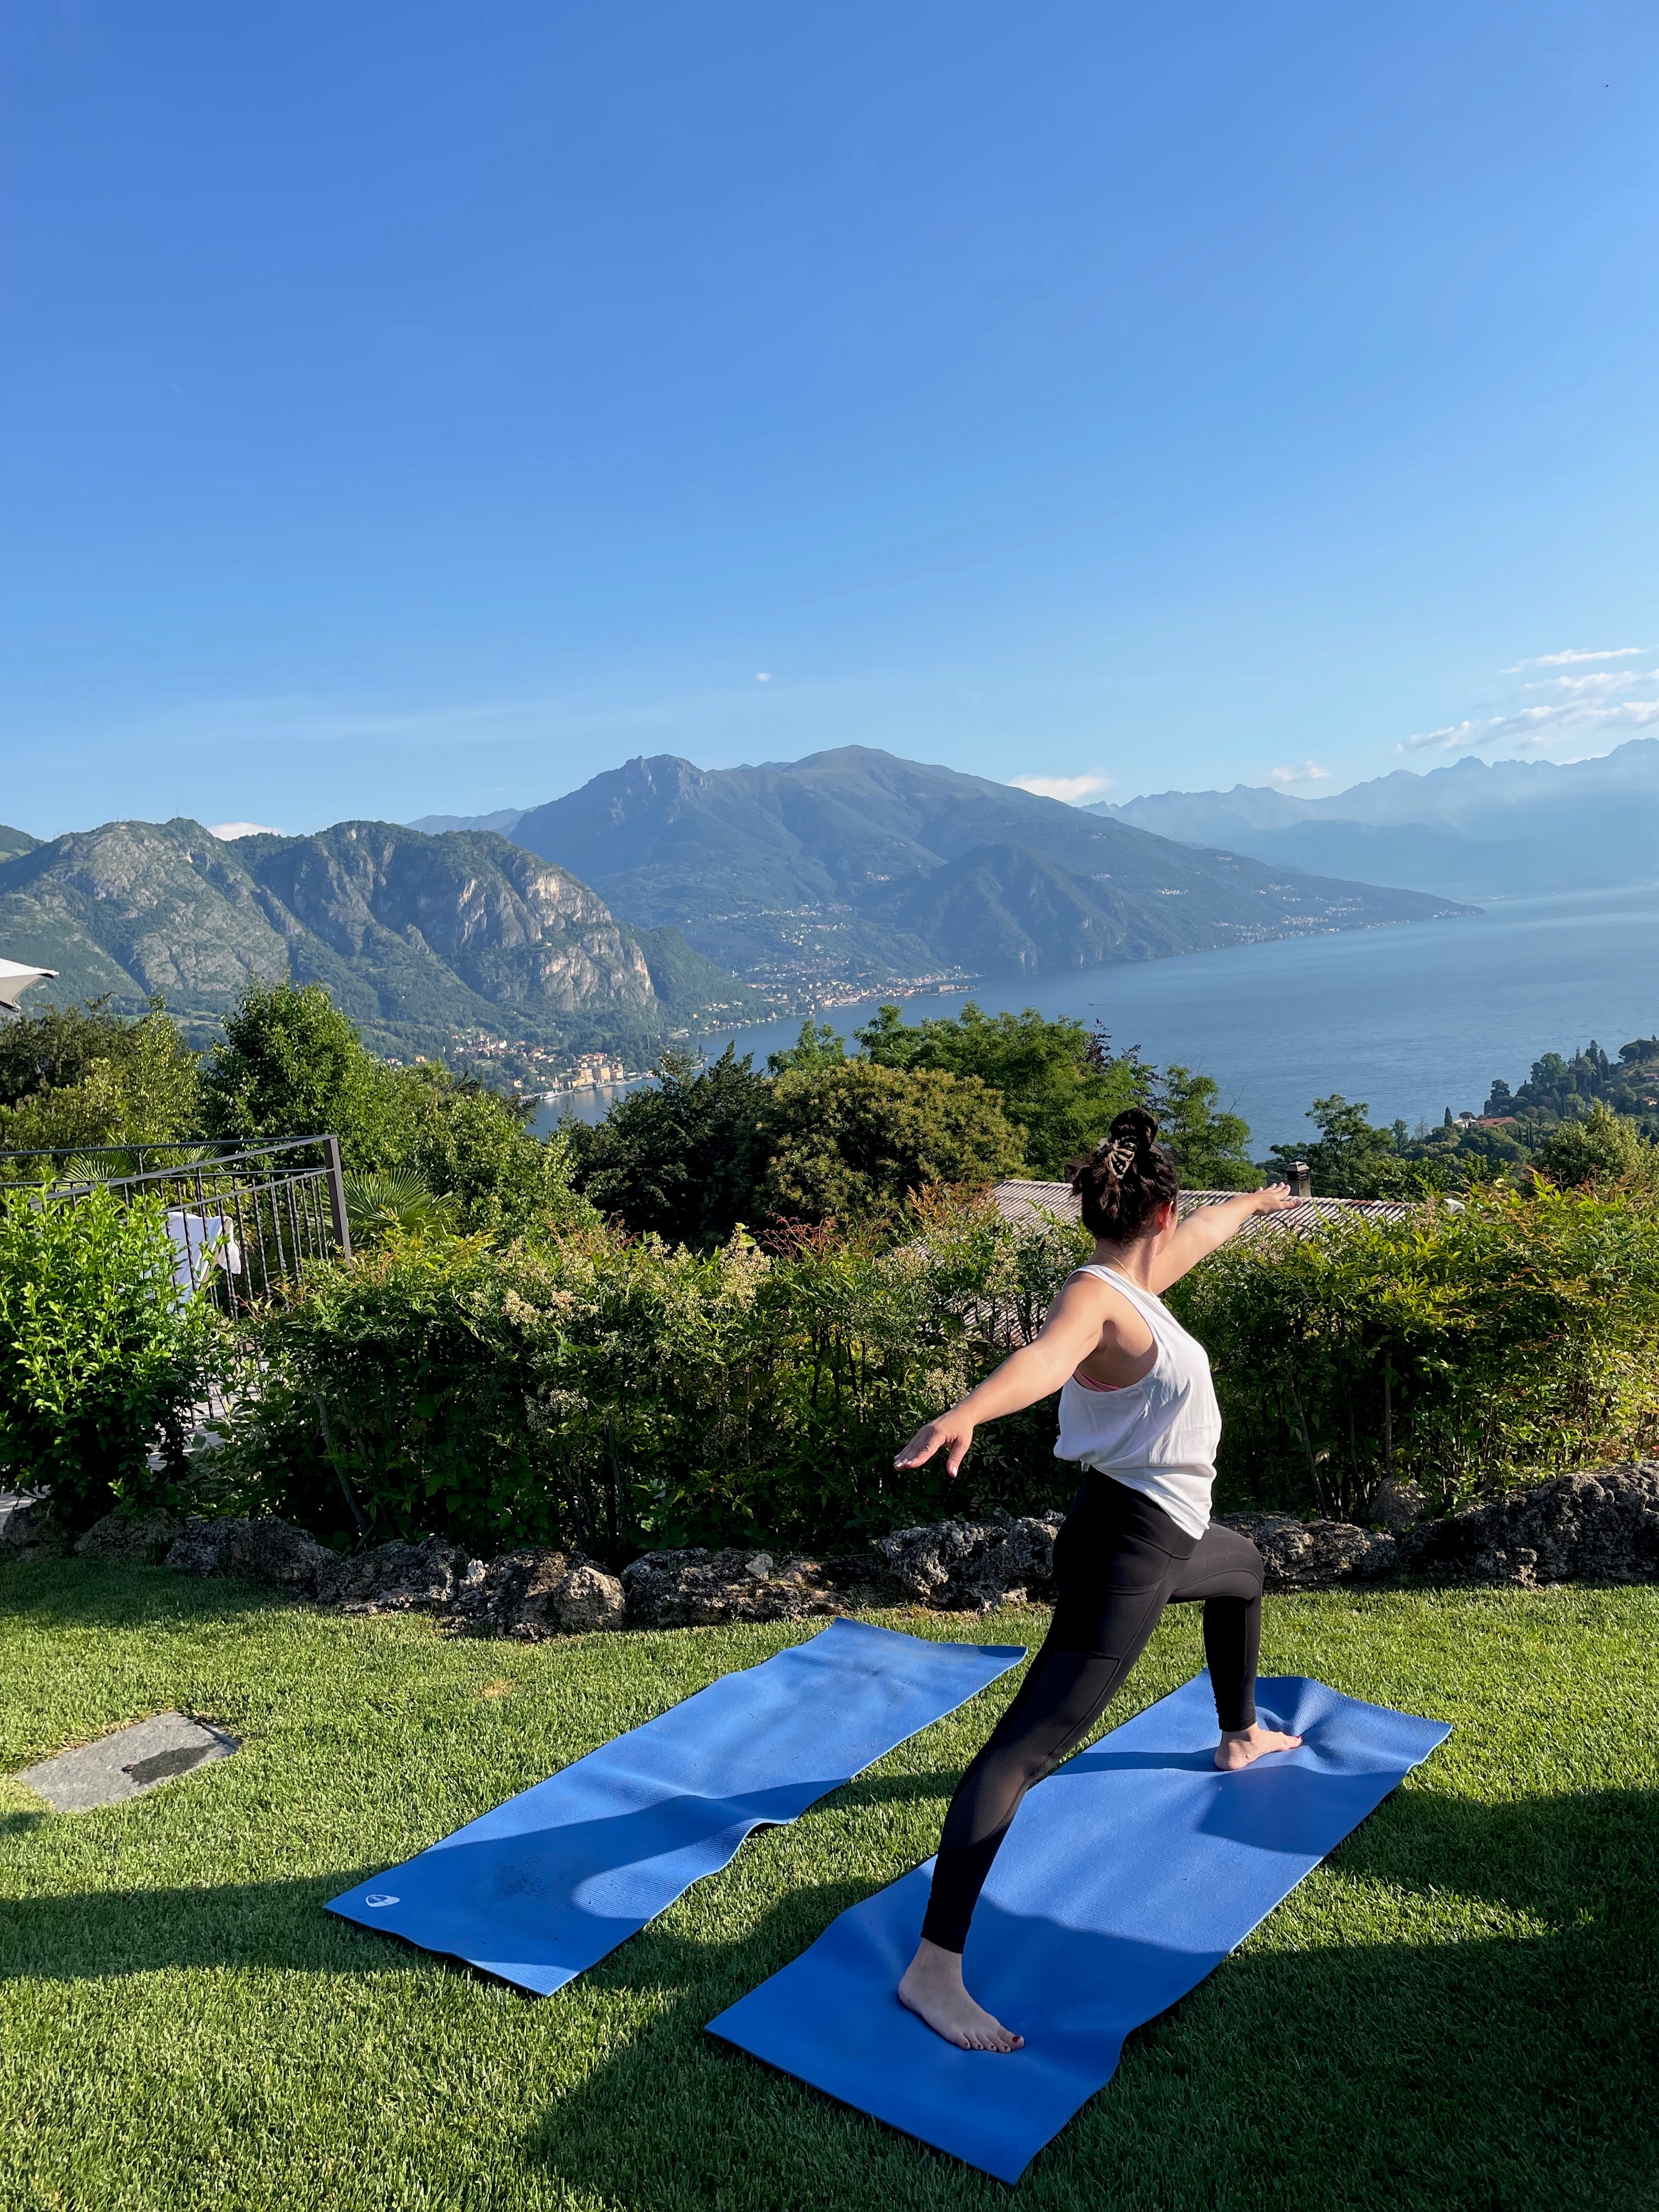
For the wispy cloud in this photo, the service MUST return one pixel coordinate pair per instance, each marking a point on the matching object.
(1565, 660)
(1281, 779)
(226, 832)
(1533, 727)
(1605, 679)
(1072, 790)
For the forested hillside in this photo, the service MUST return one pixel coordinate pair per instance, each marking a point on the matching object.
(853, 868)
(424, 941)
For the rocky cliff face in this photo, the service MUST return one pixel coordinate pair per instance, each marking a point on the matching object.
(408, 931)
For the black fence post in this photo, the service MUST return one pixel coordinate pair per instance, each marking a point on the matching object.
(337, 1204)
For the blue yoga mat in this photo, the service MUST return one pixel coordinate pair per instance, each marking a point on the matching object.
(1127, 1877)
(548, 1882)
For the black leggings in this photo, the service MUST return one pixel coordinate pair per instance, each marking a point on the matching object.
(1119, 1560)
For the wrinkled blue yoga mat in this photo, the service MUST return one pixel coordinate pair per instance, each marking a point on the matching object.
(1127, 1877)
(551, 1880)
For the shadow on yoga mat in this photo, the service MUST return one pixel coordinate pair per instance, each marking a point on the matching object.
(548, 1882)
(1128, 1877)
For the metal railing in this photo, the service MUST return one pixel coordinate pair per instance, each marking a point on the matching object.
(243, 1222)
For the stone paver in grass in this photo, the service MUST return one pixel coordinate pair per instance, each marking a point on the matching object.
(127, 1764)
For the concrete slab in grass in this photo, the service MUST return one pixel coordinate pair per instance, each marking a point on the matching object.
(127, 1763)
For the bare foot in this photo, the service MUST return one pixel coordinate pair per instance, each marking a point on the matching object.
(1238, 1746)
(932, 1989)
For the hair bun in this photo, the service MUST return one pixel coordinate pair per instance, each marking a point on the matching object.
(1136, 1128)
(1127, 1178)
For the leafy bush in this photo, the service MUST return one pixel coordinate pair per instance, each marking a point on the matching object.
(83, 1077)
(618, 1393)
(1599, 1146)
(292, 1065)
(101, 1358)
(1512, 1340)
(709, 1149)
(853, 1141)
(683, 1159)
(1060, 1082)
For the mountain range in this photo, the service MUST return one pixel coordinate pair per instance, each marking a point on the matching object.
(852, 870)
(659, 900)
(425, 941)
(1474, 829)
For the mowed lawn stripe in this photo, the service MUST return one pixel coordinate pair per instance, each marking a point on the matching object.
(1458, 2009)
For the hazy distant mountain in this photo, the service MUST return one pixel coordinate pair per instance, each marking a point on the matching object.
(12, 842)
(854, 868)
(419, 938)
(503, 822)
(1476, 829)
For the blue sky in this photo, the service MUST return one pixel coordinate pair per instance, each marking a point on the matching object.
(414, 408)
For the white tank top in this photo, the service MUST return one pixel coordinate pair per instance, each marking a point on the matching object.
(1159, 1435)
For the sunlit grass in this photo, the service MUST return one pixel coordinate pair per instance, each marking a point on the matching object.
(1458, 2009)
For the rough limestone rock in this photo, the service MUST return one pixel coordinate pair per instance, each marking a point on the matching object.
(394, 1577)
(1303, 1555)
(964, 1566)
(1398, 1506)
(1599, 1527)
(135, 1539)
(266, 1550)
(532, 1595)
(34, 1532)
(698, 1589)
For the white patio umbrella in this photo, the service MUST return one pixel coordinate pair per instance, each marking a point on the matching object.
(15, 980)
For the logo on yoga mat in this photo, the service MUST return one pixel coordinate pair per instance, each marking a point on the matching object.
(380, 1897)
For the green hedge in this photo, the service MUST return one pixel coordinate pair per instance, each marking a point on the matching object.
(619, 1395)
(1473, 1346)
(101, 1357)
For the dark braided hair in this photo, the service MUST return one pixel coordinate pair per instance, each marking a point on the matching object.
(1126, 1179)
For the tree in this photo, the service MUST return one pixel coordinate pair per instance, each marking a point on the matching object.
(1601, 1145)
(851, 1142)
(292, 1065)
(1211, 1147)
(470, 1144)
(684, 1159)
(1058, 1081)
(1354, 1158)
(819, 1045)
(84, 1076)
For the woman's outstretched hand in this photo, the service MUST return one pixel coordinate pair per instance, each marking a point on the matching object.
(952, 1432)
(1274, 1197)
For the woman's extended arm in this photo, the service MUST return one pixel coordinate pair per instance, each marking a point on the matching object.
(1209, 1226)
(1071, 1332)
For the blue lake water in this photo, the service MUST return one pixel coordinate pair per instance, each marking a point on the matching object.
(1411, 1019)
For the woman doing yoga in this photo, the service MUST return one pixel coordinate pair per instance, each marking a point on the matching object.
(1137, 1410)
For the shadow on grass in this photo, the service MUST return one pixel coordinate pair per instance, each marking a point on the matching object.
(100, 1593)
(1468, 2069)
(88, 1935)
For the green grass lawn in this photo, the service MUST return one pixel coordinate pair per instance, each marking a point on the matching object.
(1458, 2009)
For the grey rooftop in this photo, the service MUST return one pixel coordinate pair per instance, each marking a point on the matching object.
(1017, 1201)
